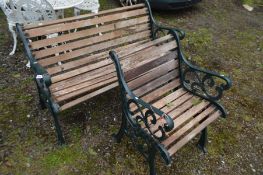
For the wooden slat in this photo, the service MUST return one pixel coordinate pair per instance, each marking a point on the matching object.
(84, 84)
(122, 52)
(178, 97)
(170, 97)
(179, 120)
(93, 48)
(156, 83)
(81, 17)
(81, 78)
(171, 103)
(89, 32)
(156, 94)
(84, 23)
(140, 70)
(193, 133)
(127, 63)
(89, 41)
(89, 59)
(136, 49)
(86, 89)
(63, 88)
(153, 74)
(164, 100)
(182, 113)
(188, 126)
(88, 96)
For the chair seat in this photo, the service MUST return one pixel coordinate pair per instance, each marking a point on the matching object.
(190, 114)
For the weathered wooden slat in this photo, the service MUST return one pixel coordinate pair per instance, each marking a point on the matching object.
(178, 97)
(195, 121)
(88, 41)
(65, 37)
(89, 59)
(122, 52)
(81, 78)
(193, 133)
(153, 74)
(84, 23)
(170, 97)
(162, 101)
(179, 120)
(140, 70)
(86, 89)
(82, 85)
(128, 63)
(171, 103)
(184, 112)
(158, 93)
(156, 83)
(93, 48)
(128, 25)
(77, 87)
(88, 96)
(81, 17)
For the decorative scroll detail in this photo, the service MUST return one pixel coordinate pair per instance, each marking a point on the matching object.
(31, 11)
(128, 2)
(90, 5)
(205, 84)
(148, 119)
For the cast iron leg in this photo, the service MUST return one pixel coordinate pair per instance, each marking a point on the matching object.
(203, 140)
(60, 137)
(41, 100)
(121, 132)
(152, 153)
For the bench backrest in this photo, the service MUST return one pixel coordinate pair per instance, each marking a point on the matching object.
(67, 44)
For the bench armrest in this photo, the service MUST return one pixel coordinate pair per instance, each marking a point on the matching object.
(156, 27)
(147, 118)
(203, 83)
(38, 69)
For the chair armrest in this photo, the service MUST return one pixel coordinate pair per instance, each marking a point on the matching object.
(204, 83)
(145, 113)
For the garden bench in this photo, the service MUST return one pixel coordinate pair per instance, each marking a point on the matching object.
(165, 105)
(69, 56)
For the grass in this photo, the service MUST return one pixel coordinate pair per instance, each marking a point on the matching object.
(253, 3)
(221, 36)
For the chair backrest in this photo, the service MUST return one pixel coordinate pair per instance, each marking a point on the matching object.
(32, 11)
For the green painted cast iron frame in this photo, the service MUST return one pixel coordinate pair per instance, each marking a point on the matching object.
(146, 142)
(43, 82)
(43, 79)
